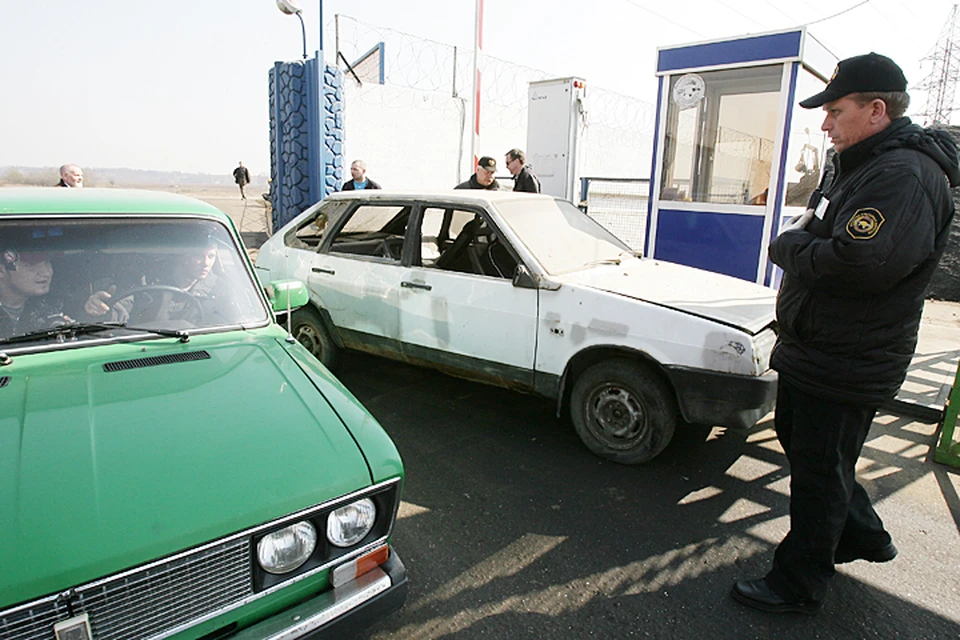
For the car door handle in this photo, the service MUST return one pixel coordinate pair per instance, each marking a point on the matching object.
(415, 285)
(322, 270)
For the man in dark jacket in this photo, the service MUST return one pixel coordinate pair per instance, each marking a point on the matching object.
(25, 278)
(523, 177)
(483, 177)
(855, 266)
(242, 177)
(71, 176)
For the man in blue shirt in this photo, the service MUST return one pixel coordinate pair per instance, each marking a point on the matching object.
(360, 181)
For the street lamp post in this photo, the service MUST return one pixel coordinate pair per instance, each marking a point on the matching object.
(292, 8)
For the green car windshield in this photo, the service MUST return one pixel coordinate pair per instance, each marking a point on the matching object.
(104, 277)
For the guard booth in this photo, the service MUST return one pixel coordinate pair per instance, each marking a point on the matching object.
(734, 155)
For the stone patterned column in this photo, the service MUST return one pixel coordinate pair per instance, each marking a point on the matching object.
(289, 141)
(332, 130)
(306, 163)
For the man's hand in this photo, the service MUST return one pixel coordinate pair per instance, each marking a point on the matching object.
(98, 303)
(798, 223)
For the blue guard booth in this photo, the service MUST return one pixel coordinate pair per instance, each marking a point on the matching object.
(734, 156)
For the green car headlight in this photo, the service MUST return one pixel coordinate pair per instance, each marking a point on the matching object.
(350, 524)
(284, 550)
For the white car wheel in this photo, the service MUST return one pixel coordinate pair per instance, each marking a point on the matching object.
(622, 411)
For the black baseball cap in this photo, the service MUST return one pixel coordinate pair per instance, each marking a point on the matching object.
(860, 74)
(487, 163)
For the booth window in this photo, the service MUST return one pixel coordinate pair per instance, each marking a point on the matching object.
(807, 155)
(720, 132)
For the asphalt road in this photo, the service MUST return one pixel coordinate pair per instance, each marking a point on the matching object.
(510, 528)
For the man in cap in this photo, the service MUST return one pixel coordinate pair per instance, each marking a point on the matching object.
(855, 267)
(25, 278)
(483, 177)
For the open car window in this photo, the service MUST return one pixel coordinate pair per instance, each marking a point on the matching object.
(373, 230)
(464, 241)
(310, 232)
(148, 272)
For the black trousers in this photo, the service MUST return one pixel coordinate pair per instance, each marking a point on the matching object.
(828, 508)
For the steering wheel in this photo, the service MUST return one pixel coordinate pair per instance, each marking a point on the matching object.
(165, 294)
(391, 248)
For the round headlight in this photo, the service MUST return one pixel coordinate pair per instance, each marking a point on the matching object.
(284, 550)
(350, 524)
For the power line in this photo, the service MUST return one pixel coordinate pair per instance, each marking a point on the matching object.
(859, 4)
(665, 18)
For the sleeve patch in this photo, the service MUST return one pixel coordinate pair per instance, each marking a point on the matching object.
(865, 224)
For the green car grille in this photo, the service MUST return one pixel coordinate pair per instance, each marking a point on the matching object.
(150, 602)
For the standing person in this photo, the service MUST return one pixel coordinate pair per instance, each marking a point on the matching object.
(360, 180)
(524, 179)
(242, 177)
(71, 176)
(855, 265)
(483, 176)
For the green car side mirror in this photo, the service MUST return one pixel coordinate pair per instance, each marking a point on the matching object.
(287, 294)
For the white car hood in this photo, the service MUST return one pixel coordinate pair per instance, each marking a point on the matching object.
(725, 299)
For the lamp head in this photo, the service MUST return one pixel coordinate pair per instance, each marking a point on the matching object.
(289, 7)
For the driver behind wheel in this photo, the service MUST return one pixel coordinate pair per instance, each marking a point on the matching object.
(180, 290)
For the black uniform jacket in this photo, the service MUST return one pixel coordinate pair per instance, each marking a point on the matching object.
(526, 181)
(473, 184)
(853, 287)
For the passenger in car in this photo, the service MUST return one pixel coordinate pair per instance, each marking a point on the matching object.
(25, 278)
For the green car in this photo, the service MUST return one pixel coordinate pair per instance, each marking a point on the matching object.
(172, 463)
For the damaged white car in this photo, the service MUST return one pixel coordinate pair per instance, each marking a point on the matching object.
(528, 292)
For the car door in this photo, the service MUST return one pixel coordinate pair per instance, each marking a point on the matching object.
(458, 306)
(356, 274)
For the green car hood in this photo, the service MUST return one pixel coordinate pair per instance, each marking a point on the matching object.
(101, 471)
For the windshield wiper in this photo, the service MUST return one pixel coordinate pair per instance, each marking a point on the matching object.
(617, 260)
(65, 332)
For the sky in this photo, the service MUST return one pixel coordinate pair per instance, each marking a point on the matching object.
(181, 85)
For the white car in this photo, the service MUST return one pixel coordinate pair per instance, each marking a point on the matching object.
(528, 292)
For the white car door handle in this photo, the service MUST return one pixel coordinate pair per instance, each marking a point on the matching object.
(415, 285)
(322, 270)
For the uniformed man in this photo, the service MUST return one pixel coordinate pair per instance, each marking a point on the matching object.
(483, 178)
(855, 265)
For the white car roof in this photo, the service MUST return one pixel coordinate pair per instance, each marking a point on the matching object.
(472, 196)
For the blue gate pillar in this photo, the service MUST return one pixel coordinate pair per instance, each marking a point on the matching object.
(306, 136)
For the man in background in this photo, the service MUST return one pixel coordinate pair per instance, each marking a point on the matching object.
(71, 176)
(360, 180)
(242, 177)
(483, 177)
(523, 177)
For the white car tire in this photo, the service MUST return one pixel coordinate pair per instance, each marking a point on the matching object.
(310, 331)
